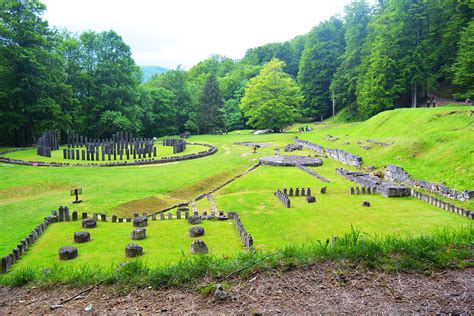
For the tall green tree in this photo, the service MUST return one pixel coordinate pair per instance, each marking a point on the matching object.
(397, 65)
(210, 107)
(158, 115)
(184, 90)
(320, 59)
(31, 73)
(343, 85)
(272, 99)
(108, 85)
(463, 68)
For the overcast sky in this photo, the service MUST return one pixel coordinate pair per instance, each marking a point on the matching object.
(172, 32)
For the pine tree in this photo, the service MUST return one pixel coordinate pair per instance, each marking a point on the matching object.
(209, 109)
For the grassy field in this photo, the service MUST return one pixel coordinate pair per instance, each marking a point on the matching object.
(167, 241)
(432, 144)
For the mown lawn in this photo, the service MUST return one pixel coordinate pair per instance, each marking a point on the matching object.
(167, 241)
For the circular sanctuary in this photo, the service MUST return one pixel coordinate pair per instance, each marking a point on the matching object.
(122, 149)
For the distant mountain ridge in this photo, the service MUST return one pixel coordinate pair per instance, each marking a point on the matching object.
(149, 71)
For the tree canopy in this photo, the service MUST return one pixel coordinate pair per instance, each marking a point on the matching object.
(394, 53)
(272, 98)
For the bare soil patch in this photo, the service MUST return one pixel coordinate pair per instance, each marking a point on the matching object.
(324, 287)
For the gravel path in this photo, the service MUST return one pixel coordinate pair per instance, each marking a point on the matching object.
(317, 288)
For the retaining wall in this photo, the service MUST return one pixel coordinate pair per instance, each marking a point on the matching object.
(399, 175)
(336, 154)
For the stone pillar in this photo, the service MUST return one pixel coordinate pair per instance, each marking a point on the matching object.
(67, 216)
(74, 216)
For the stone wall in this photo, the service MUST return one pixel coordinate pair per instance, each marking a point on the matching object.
(25, 243)
(399, 175)
(386, 189)
(314, 174)
(312, 146)
(344, 157)
(441, 204)
(245, 237)
(336, 154)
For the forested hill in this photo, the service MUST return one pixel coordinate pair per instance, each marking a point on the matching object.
(149, 71)
(371, 58)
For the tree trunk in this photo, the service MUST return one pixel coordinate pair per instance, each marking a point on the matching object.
(333, 104)
(414, 96)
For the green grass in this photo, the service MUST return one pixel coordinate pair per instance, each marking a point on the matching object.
(440, 250)
(166, 241)
(433, 144)
(273, 226)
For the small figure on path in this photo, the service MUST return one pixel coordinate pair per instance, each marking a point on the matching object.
(428, 103)
(255, 149)
(434, 101)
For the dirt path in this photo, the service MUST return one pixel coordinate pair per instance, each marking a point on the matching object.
(318, 288)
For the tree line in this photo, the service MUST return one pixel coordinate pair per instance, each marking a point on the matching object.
(370, 59)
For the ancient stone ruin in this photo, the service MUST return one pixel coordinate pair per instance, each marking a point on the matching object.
(89, 223)
(140, 221)
(67, 253)
(199, 247)
(245, 237)
(336, 154)
(386, 189)
(47, 142)
(280, 195)
(290, 161)
(122, 146)
(138, 233)
(133, 250)
(196, 231)
(81, 237)
(292, 147)
(399, 175)
(179, 145)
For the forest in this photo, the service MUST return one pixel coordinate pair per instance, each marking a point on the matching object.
(368, 59)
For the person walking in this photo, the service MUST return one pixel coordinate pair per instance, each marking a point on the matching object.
(428, 103)
(434, 101)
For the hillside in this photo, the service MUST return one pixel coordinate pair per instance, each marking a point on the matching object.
(432, 144)
(149, 71)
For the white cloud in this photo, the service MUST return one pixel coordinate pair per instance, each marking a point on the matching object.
(171, 32)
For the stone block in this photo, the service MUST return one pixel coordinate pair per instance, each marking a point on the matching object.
(140, 221)
(133, 250)
(196, 231)
(67, 253)
(81, 237)
(199, 247)
(138, 233)
(89, 223)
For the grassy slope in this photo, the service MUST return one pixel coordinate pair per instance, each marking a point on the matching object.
(431, 144)
(28, 193)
